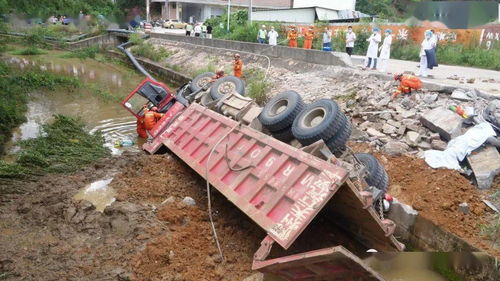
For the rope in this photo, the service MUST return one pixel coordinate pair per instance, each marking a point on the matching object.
(209, 199)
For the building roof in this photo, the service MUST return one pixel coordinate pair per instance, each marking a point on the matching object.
(239, 3)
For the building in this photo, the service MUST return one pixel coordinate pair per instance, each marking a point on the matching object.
(327, 4)
(200, 10)
(310, 11)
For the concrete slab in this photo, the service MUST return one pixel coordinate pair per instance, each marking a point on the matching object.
(404, 216)
(485, 163)
(443, 121)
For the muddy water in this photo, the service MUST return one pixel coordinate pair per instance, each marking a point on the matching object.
(99, 193)
(107, 116)
(407, 266)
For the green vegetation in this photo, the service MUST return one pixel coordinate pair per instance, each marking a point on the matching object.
(64, 146)
(83, 53)
(14, 87)
(30, 51)
(492, 229)
(42, 9)
(148, 50)
(258, 86)
(441, 264)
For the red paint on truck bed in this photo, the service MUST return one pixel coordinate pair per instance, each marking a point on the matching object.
(278, 186)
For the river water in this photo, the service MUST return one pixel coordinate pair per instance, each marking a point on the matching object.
(109, 117)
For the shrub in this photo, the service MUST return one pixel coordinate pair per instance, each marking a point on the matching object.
(258, 86)
(64, 146)
(151, 52)
(84, 53)
(30, 51)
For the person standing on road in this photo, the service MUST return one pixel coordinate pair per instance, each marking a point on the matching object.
(292, 37)
(189, 28)
(197, 30)
(327, 40)
(273, 37)
(203, 30)
(350, 37)
(385, 50)
(308, 38)
(435, 42)
(372, 52)
(261, 35)
(238, 65)
(209, 31)
(427, 55)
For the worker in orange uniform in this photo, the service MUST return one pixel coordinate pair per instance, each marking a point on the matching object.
(308, 38)
(238, 65)
(292, 38)
(407, 83)
(151, 117)
(141, 128)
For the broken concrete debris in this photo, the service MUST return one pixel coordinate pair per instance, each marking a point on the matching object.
(412, 138)
(443, 121)
(485, 164)
(438, 145)
(464, 208)
(462, 95)
(395, 148)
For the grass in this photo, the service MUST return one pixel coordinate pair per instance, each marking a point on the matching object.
(441, 264)
(14, 87)
(492, 230)
(258, 86)
(30, 51)
(63, 146)
(210, 67)
(148, 50)
(83, 53)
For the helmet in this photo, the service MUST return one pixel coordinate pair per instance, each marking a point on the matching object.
(376, 29)
(388, 31)
(236, 55)
(219, 71)
(398, 76)
(154, 108)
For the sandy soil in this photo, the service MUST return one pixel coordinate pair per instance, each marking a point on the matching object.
(436, 194)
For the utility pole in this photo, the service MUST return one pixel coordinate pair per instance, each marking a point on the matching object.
(147, 10)
(228, 13)
(250, 10)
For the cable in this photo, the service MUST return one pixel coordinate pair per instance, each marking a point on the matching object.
(209, 199)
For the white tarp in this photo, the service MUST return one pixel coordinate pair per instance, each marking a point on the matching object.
(459, 147)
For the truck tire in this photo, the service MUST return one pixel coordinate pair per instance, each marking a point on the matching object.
(377, 176)
(201, 80)
(226, 85)
(281, 110)
(318, 120)
(284, 135)
(337, 143)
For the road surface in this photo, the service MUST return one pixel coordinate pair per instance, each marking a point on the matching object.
(485, 80)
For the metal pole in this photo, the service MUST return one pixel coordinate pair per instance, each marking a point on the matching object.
(147, 10)
(228, 13)
(250, 10)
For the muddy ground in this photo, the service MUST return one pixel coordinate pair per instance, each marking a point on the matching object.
(150, 234)
(47, 235)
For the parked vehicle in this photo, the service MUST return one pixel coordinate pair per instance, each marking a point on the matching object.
(174, 24)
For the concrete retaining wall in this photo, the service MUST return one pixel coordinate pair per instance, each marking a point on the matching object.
(101, 41)
(310, 56)
(165, 74)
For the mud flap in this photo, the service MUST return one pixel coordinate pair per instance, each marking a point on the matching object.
(335, 263)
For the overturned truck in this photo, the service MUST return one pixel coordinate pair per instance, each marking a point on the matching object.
(283, 165)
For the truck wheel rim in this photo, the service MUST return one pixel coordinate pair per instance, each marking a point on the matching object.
(226, 87)
(203, 81)
(313, 118)
(278, 107)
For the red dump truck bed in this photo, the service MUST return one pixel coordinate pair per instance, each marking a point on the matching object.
(278, 186)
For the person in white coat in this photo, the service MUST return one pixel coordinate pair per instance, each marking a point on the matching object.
(372, 52)
(427, 44)
(385, 51)
(273, 37)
